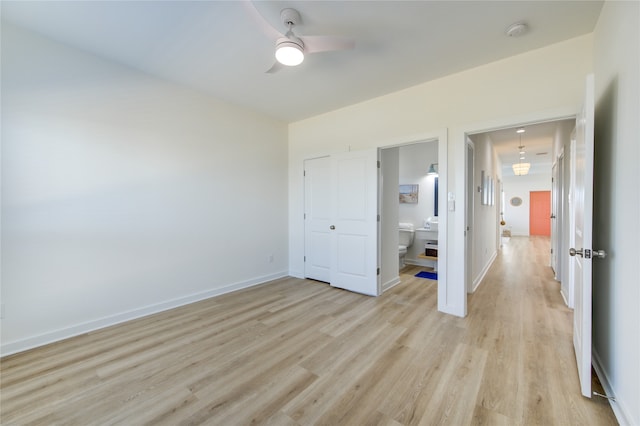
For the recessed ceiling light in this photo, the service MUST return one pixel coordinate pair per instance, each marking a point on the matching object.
(517, 29)
(520, 130)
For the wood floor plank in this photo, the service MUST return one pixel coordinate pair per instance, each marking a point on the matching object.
(297, 352)
(452, 399)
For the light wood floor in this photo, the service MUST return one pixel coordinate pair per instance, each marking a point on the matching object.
(295, 352)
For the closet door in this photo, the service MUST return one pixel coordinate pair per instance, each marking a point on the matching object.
(354, 223)
(317, 215)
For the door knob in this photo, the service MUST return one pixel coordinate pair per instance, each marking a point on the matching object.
(588, 254)
(573, 252)
(599, 254)
(332, 227)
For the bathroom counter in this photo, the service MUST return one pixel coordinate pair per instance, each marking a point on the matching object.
(422, 256)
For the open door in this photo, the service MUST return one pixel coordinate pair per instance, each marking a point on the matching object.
(581, 235)
(354, 221)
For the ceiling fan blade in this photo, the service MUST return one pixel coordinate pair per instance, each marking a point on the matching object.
(313, 44)
(257, 17)
(277, 66)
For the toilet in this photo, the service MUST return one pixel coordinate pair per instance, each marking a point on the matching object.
(406, 233)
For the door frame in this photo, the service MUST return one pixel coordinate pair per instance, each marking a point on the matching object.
(444, 193)
(469, 216)
(558, 210)
(457, 290)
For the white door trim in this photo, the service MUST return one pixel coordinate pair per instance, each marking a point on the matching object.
(457, 295)
(446, 303)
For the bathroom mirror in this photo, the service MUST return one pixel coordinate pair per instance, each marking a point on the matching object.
(435, 197)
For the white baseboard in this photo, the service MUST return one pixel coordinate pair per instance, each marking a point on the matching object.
(86, 327)
(619, 407)
(478, 280)
(391, 283)
(296, 274)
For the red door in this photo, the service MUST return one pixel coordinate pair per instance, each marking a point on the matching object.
(540, 213)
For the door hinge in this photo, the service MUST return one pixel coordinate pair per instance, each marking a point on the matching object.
(304, 216)
(378, 218)
(551, 251)
(378, 271)
(378, 163)
(304, 173)
(304, 258)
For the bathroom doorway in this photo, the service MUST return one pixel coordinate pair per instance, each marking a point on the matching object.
(410, 196)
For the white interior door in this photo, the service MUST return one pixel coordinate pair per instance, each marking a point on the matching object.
(354, 223)
(581, 252)
(317, 214)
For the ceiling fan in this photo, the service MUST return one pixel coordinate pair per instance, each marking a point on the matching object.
(291, 49)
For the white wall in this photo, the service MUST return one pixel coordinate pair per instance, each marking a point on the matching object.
(538, 85)
(123, 195)
(517, 218)
(389, 262)
(616, 289)
(485, 222)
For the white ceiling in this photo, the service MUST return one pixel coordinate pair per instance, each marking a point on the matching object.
(224, 49)
(537, 141)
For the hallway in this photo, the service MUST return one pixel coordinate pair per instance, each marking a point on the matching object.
(518, 316)
(299, 352)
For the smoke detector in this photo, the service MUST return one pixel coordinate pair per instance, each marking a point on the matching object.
(517, 29)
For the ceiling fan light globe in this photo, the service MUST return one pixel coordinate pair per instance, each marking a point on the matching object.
(289, 53)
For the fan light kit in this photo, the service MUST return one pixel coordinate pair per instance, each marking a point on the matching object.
(291, 49)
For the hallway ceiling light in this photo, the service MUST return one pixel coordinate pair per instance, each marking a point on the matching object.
(433, 170)
(520, 168)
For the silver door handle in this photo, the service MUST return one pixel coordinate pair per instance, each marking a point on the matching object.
(601, 254)
(332, 227)
(573, 252)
